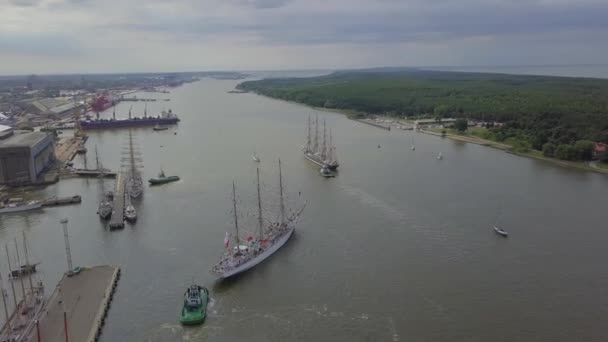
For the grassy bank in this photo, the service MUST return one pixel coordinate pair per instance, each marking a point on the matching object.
(472, 136)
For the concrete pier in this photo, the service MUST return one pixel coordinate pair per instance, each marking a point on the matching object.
(84, 298)
(118, 211)
(375, 124)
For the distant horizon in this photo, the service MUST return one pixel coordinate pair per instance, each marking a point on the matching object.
(455, 68)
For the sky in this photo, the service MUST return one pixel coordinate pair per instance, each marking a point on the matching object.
(91, 36)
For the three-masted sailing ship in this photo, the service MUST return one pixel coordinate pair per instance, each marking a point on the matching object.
(135, 183)
(320, 151)
(248, 252)
(27, 309)
(104, 209)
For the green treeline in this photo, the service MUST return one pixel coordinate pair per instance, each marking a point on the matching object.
(534, 110)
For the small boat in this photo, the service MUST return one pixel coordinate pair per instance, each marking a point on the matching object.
(439, 156)
(81, 150)
(18, 204)
(158, 127)
(501, 231)
(255, 157)
(194, 310)
(326, 172)
(130, 213)
(162, 179)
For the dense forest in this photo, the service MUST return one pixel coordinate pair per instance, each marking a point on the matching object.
(535, 109)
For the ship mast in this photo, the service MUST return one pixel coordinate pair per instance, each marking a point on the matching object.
(330, 152)
(130, 111)
(19, 269)
(10, 270)
(27, 263)
(260, 220)
(145, 110)
(308, 136)
(324, 145)
(315, 146)
(8, 318)
(282, 207)
(114, 113)
(236, 221)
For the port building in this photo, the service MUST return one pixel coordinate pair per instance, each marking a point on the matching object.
(24, 157)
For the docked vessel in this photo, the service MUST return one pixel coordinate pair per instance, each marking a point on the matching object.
(165, 118)
(246, 253)
(320, 151)
(104, 209)
(22, 321)
(130, 213)
(135, 184)
(162, 179)
(18, 204)
(194, 309)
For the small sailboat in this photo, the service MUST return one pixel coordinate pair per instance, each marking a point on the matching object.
(255, 157)
(439, 156)
(194, 309)
(162, 178)
(500, 231)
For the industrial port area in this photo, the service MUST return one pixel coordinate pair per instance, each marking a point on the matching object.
(45, 124)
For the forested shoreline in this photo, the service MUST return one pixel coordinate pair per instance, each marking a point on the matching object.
(533, 110)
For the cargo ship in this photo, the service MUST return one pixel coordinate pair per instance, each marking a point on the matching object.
(165, 118)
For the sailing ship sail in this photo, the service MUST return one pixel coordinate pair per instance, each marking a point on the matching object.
(246, 254)
(135, 184)
(27, 309)
(104, 210)
(320, 151)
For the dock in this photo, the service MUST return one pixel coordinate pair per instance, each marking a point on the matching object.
(54, 201)
(94, 173)
(375, 124)
(66, 148)
(118, 211)
(80, 302)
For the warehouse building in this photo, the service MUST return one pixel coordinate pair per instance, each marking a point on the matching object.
(24, 157)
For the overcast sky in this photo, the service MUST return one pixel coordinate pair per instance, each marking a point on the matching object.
(78, 36)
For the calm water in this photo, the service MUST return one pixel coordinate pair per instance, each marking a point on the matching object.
(398, 247)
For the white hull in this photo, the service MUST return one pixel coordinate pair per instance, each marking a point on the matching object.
(31, 206)
(313, 159)
(268, 252)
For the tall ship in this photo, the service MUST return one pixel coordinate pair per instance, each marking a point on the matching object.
(250, 251)
(104, 209)
(320, 151)
(165, 118)
(27, 307)
(135, 184)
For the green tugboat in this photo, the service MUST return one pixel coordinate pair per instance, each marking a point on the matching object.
(162, 179)
(195, 305)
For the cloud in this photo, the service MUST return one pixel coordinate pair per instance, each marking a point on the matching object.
(237, 34)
